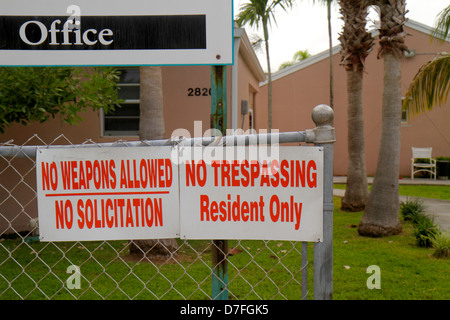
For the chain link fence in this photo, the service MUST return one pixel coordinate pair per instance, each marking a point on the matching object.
(30, 269)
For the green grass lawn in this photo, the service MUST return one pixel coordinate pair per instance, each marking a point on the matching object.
(422, 191)
(407, 271)
(257, 270)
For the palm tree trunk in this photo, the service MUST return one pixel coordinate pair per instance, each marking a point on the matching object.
(356, 193)
(381, 216)
(330, 49)
(269, 80)
(151, 127)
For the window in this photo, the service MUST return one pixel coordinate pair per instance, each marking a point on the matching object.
(404, 114)
(251, 108)
(124, 121)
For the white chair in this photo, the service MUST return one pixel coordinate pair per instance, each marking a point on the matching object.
(428, 166)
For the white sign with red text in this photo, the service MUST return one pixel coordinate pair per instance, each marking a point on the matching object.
(240, 197)
(107, 194)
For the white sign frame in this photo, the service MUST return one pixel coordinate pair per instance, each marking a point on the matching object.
(219, 33)
(197, 201)
(106, 211)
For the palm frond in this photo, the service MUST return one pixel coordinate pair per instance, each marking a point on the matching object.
(430, 86)
(442, 25)
(248, 14)
(256, 13)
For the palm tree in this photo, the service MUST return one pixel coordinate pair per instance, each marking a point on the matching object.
(330, 48)
(260, 13)
(297, 57)
(356, 44)
(151, 127)
(381, 216)
(431, 85)
(330, 52)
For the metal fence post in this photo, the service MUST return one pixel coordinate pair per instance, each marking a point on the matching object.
(324, 136)
(219, 121)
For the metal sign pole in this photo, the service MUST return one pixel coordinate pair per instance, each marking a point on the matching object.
(219, 122)
(324, 136)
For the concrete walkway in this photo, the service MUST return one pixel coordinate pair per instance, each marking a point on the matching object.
(439, 209)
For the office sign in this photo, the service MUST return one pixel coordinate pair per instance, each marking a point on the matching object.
(226, 193)
(107, 194)
(116, 32)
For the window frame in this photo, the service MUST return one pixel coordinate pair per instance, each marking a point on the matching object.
(104, 117)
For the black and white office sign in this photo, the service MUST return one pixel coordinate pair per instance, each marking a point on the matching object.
(116, 32)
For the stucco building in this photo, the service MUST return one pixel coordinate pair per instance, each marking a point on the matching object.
(298, 88)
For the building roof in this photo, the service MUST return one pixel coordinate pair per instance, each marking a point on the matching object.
(248, 54)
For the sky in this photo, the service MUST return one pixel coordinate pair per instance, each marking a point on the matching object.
(305, 27)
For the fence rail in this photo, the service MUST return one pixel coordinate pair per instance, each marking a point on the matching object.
(30, 269)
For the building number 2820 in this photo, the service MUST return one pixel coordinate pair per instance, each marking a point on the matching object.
(198, 92)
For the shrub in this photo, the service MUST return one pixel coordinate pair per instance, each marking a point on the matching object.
(411, 209)
(425, 230)
(441, 245)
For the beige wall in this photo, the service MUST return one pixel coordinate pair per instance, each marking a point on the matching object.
(296, 94)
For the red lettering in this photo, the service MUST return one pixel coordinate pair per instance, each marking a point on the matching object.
(49, 176)
(312, 176)
(97, 175)
(169, 173)
(215, 164)
(89, 173)
(144, 173)
(225, 173)
(59, 214)
(105, 174)
(65, 173)
(109, 219)
(149, 208)
(129, 181)
(204, 208)
(158, 212)
(244, 167)
(235, 174)
(112, 166)
(284, 173)
(195, 173)
(82, 176)
(80, 206)
(214, 211)
(190, 173)
(300, 173)
(275, 180)
(129, 218)
(152, 172)
(74, 173)
(89, 214)
(137, 204)
(161, 172)
(254, 171)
